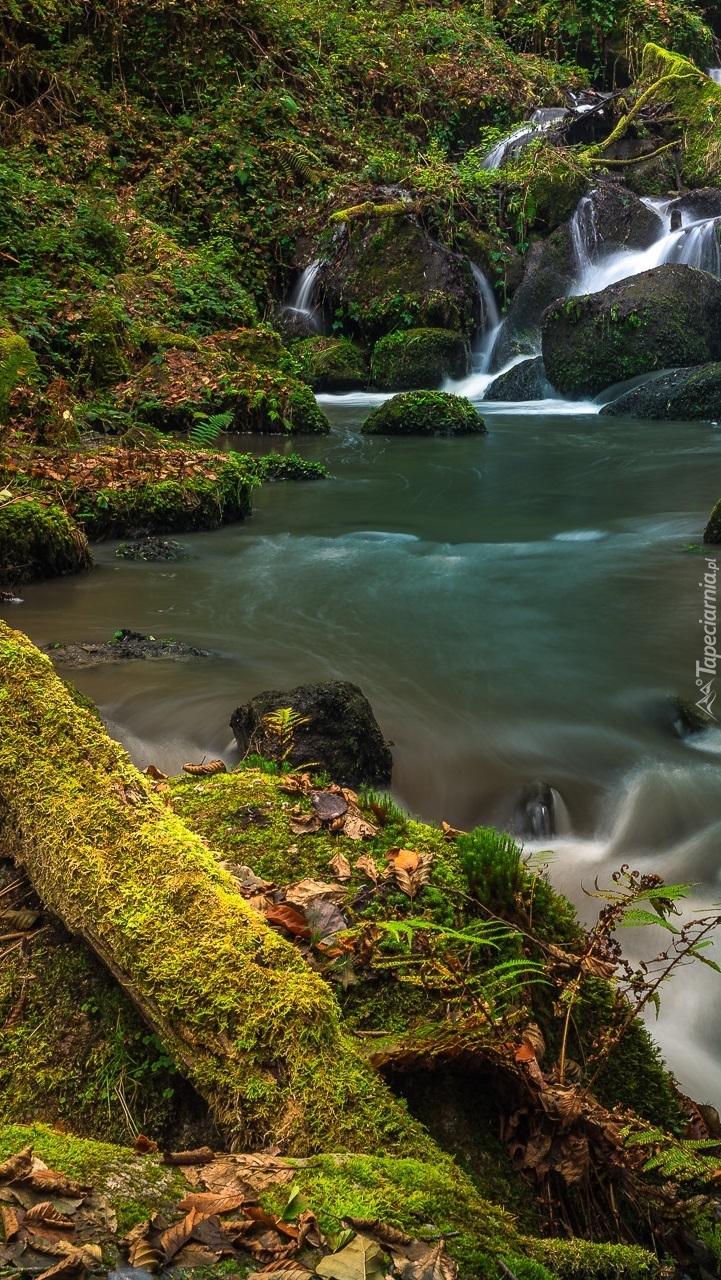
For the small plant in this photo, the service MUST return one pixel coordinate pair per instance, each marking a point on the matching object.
(207, 427)
(281, 726)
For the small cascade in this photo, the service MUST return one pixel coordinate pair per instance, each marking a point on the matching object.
(714, 74)
(695, 244)
(542, 119)
(491, 321)
(303, 295)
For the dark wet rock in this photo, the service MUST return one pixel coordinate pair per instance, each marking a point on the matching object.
(683, 395)
(328, 806)
(621, 219)
(549, 273)
(125, 646)
(684, 718)
(341, 736)
(695, 205)
(535, 811)
(294, 325)
(424, 413)
(151, 549)
(712, 532)
(525, 381)
(411, 358)
(388, 269)
(664, 318)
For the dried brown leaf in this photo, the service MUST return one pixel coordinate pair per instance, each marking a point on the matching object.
(171, 1240)
(195, 1254)
(305, 824)
(328, 806)
(17, 1166)
(403, 859)
(283, 914)
(435, 1264)
(46, 1214)
(305, 891)
(68, 1268)
(145, 1146)
(12, 1221)
(53, 1183)
(21, 920)
(152, 771)
(209, 1202)
(205, 770)
(340, 866)
(143, 1254)
(203, 1155)
(451, 833)
(367, 865)
(356, 827)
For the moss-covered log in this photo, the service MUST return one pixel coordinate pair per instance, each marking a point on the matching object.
(244, 1017)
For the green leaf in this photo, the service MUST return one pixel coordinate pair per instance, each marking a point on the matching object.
(636, 916)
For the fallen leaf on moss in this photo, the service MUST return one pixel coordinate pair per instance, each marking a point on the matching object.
(367, 865)
(17, 1166)
(325, 918)
(250, 1173)
(12, 1218)
(451, 833)
(436, 1264)
(47, 1180)
(68, 1268)
(21, 920)
(142, 1254)
(403, 859)
(356, 827)
(285, 1267)
(145, 1146)
(304, 824)
(203, 1155)
(209, 1202)
(46, 1215)
(410, 880)
(248, 881)
(362, 1259)
(171, 1240)
(300, 894)
(340, 866)
(195, 1254)
(289, 918)
(205, 770)
(328, 806)
(152, 771)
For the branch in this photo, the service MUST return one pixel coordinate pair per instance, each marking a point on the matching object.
(624, 123)
(364, 212)
(636, 159)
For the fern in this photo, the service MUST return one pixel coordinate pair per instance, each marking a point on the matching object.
(282, 724)
(207, 428)
(679, 1159)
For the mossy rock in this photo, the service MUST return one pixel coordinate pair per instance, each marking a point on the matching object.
(332, 364)
(712, 532)
(411, 358)
(150, 338)
(621, 220)
(424, 413)
(39, 541)
(549, 270)
(499, 261)
(105, 344)
(552, 182)
(261, 346)
(524, 381)
(669, 316)
(170, 393)
(19, 372)
(685, 395)
(695, 100)
(393, 275)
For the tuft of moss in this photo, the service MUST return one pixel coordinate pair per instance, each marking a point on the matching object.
(411, 358)
(424, 413)
(18, 370)
(105, 344)
(39, 541)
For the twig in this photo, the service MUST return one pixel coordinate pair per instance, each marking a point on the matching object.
(636, 159)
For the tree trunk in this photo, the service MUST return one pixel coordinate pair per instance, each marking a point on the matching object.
(246, 1020)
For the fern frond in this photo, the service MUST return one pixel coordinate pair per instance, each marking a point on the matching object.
(207, 428)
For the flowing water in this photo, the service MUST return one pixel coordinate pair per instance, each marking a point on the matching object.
(517, 606)
(715, 74)
(302, 298)
(543, 119)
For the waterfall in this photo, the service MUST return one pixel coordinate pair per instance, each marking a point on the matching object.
(715, 74)
(542, 119)
(696, 244)
(490, 321)
(301, 299)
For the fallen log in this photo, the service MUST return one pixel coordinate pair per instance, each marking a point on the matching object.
(245, 1019)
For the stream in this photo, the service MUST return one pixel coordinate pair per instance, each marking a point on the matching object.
(518, 607)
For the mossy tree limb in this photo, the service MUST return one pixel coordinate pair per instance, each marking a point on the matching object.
(364, 212)
(254, 1029)
(626, 121)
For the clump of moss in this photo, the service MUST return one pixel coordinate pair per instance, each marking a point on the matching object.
(424, 413)
(104, 344)
(551, 183)
(147, 338)
(290, 466)
(411, 358)
(260, 345)
(39, 541)
(332, 364)
(19, 371)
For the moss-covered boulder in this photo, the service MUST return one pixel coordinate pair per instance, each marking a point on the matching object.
(424, 413)
(712, 532)
(261, 346)
(388, 273)
(670, 316)
(695, 101)
(620, 220)
(524, 381)
(685, 395)
(550, 268)
(551, 180)
(19, 373)
(39, 540)
(170, 393)
(332, 364)
(410, 358)
(339, 732)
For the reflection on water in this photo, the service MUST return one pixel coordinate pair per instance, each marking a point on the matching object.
(516, 607)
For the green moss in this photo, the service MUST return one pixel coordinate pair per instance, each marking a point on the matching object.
(331, 364)
(424, 413)
(149, 338)
(169, 506)
(411, 358)
(696, 101)
(261, 346)
(204, 962)
(39, 541)
(18, 369)
(551, 183)
(105, 345)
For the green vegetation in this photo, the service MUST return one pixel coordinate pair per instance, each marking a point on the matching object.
(411, 358)
(39, 540)
(332, 364)
(424, 413)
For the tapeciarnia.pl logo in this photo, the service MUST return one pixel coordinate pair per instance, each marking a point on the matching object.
(706, 670)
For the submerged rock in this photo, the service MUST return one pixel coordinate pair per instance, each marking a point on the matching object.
(549, 274)
(39, 541)
(682, 395)
(525, 381)
(125, 646)
(668, 316)
(151, 549)
(388, 269)
(341, 735)
(424, 413)
(412, 358)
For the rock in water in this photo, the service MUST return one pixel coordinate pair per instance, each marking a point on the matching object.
(411, 358)
(525, 381)
(621, 220)
(424, 413)
(549, 273)
(341, 736)
(670, 316)
(535, 811)
(683, 395)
